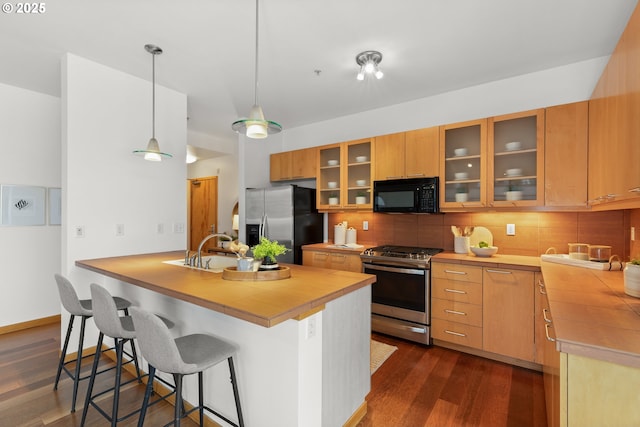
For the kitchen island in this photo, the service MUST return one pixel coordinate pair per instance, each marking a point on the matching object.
(304, 341)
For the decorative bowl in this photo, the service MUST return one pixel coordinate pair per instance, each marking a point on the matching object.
(513, 146)
(332, 162)
(332, 184)
(460, 152)
(361, 159)
(484, 252)
(361, 182)
(461, 175)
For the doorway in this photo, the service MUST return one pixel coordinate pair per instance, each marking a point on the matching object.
(203, 211)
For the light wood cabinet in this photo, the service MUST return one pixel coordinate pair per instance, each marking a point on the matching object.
(516, 159)
(456, 312)
(344, 179)
(566, 148)
(614, 128)
(508, 311)
(334, 260)
(296, 164)
(410, 154)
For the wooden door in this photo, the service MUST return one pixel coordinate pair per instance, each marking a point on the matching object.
(203, 211)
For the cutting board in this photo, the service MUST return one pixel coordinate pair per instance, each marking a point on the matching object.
(480, 234)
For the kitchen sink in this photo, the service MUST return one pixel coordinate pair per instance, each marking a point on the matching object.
(217, 263)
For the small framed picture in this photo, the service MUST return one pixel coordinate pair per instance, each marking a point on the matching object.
(22, 205)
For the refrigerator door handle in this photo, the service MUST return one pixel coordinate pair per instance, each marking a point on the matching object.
(263, 226)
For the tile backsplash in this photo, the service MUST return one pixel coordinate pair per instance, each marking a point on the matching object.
(535, 231)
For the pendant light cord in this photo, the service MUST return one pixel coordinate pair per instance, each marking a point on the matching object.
(153, 95)
(255, 95)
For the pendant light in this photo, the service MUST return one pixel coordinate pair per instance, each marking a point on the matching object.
(256, 126)
(152, 152)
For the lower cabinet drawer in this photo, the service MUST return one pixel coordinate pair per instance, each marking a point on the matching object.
(459, 312)
(457, 333)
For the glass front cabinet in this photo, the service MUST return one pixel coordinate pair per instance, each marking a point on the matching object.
(344, 172)
(516, 159)
(494, 162)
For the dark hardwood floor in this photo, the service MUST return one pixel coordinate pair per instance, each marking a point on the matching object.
(417, 386)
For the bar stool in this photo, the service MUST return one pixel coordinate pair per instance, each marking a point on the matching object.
(82, 308)
(181, 356)
(121, 329)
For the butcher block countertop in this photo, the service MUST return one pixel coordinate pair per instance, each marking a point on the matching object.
(591, 314)
(265, 303)
(498, 260)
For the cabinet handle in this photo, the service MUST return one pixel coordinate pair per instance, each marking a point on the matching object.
(454, 291)
(394, 177)
(342, 258)
(455, 272)
(544, 315)
(458, 334)
(635, 190)
(415, 174)
(459, 313)
(541, 286)
(499, 271)
(323, 254)
(546, 332)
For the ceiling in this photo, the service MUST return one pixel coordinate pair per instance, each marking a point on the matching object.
(428, 47)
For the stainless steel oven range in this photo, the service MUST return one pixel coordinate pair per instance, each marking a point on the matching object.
(401, 296)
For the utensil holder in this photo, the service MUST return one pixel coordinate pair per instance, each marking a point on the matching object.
(461, 244)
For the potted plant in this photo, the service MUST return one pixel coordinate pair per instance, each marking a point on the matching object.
(267, 251)
(333, 198)
(513, 192)
(632, 278)
(462, 194)
(361, 198)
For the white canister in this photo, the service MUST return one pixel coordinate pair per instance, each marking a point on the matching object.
(351, 235)
(632, 280)
(339, 234)
(461, 244)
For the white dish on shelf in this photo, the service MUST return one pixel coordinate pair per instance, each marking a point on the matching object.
(361, 182)
(332, 162)
(332, 184)
(513, 146)
(361, 159)
(513, 172)
(460, 152)
(461, 175)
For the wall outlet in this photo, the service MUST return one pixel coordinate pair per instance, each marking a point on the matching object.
(633, 234)
(178, 227)
(119, 229)
(511, 229)
(78, 231)
(365, 225)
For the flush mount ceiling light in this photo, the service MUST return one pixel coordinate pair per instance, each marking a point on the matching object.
(152, 152)
(256, 126)
(368, 62)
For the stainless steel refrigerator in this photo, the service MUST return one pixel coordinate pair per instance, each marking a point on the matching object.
(287, 214)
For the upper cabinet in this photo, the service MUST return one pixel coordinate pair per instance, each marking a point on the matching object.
(516, 159)
(614, 128)
(463, 152)
(345, 175)
(566, 147)
(410, 154)
(297, 164)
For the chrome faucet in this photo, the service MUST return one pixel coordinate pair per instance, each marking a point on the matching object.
(210, 236)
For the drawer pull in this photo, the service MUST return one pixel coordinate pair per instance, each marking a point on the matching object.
(498, 271)
(458, 334)
(321, 254)
(546, 332)
(459, 313)
(541, 286)
(454, 291)
(544, 315)
(455, 272)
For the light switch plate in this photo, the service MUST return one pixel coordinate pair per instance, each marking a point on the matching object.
(511, 229)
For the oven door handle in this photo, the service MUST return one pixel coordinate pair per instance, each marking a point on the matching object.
(415, 271)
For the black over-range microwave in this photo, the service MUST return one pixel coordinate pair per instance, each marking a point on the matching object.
(415, 195)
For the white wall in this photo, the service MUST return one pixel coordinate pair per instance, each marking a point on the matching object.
(30, 146)
(106, 114)
(554, 86)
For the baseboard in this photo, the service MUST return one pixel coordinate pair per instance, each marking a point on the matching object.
(357, 416)
(30, 324)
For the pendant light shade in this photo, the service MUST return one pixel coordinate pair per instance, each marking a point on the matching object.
(256, 126)
(152, 152)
